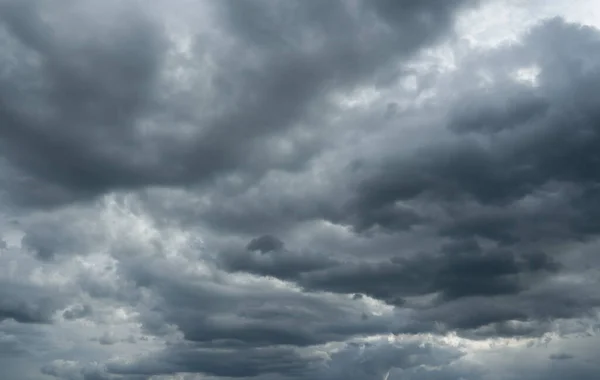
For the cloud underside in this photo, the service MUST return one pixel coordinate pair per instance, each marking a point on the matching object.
(295, 190)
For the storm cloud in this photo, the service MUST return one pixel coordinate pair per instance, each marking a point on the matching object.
(276, 189)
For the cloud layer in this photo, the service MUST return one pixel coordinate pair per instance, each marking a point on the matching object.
(298, 190)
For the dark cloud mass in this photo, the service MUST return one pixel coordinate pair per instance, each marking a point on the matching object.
(98, 96)
(264, 244)
(26, 304)
(273, 190)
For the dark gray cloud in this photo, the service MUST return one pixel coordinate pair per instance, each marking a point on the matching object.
(86, 93)
(357, 360)
(27, 303)
(461, 270)
(251, 316)
(492, 115)
(293, 190)
(264, 244)
(237, 363)
(561, 356)
(548, 135)
(514, 175)
(266, 256)
(96, 95)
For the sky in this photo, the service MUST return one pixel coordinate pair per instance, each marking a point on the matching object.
(299, 189)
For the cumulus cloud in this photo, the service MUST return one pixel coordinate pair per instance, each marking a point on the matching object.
(277, 190)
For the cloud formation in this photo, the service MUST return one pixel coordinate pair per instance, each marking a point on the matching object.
(298, 190)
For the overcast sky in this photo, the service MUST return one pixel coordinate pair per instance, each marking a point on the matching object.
(299, 189)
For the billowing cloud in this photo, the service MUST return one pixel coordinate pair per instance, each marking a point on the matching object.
(280, 189)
